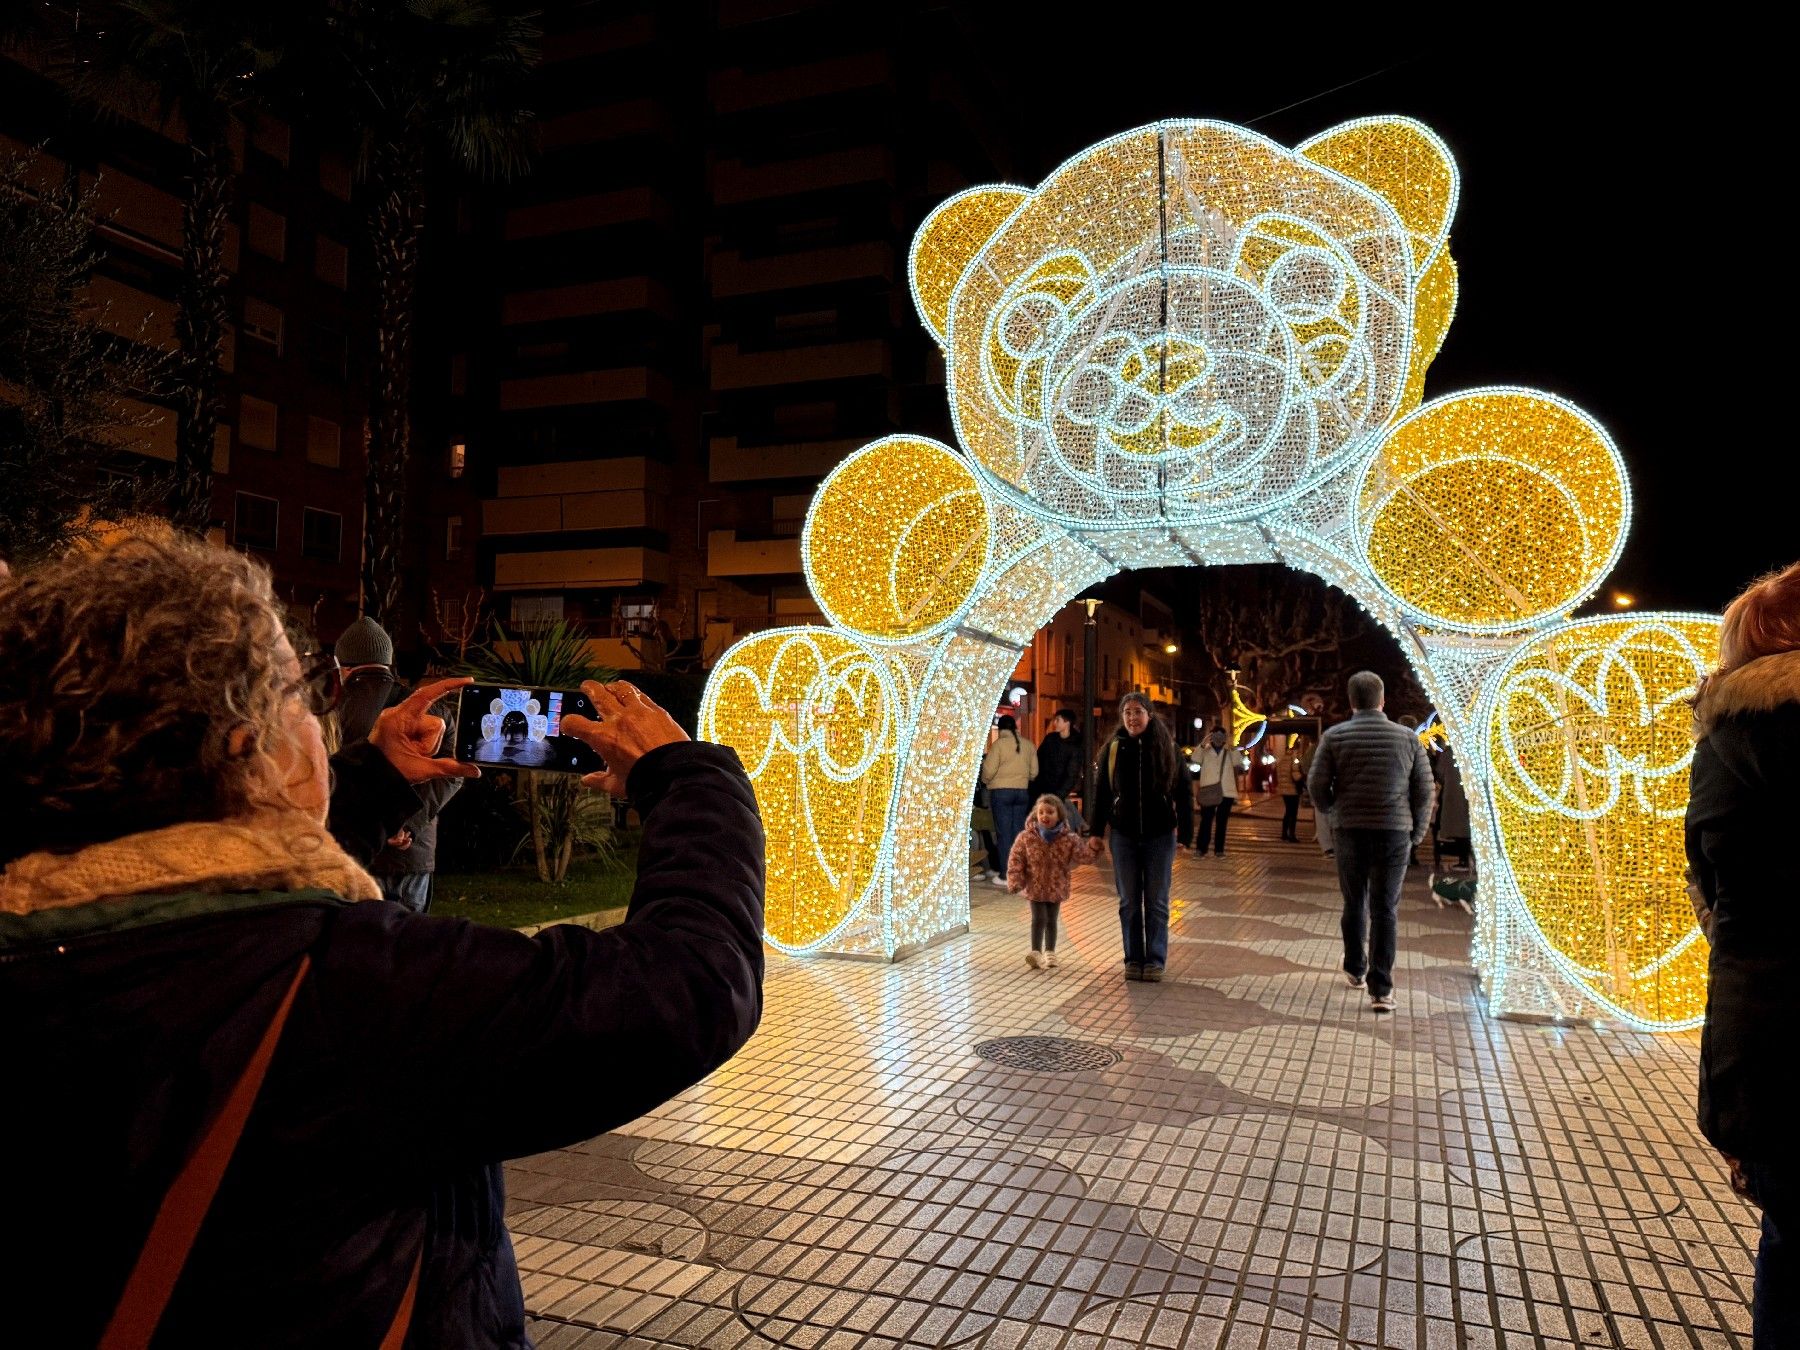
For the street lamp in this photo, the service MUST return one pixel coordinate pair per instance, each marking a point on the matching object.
(1171, 648)
(1089, 658)
(1623, 600)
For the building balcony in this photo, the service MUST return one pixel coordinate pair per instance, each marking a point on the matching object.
(622, 296)
(734, 369)
(734, 182)
(741, 90)
(629, 384)
(729, 556)
(592, 211)
(813, 459)
(580, 568)
(733, 275)
(598, 494)
(635, 117)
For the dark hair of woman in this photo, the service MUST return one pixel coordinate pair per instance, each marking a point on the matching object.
(1157, 739)
(1010, 723)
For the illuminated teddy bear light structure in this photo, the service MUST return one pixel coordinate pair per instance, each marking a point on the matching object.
(1193, 345)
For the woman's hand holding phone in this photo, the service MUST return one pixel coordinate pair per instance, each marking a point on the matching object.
(630, 727)
(409, 735)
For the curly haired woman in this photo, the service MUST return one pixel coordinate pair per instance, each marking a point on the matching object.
(249, 1101)
(1744, 801)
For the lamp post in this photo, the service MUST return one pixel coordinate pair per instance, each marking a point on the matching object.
(1090, 632)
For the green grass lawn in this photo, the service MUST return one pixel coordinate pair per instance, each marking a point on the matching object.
(514, 897)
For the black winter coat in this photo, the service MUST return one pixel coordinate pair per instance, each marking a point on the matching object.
(420, 1052)
(1129, 795)
(1059, 764)
(1743, 804)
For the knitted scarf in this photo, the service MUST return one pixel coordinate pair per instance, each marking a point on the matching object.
(274, 853)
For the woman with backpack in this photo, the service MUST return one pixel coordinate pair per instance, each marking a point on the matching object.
(1134, 794)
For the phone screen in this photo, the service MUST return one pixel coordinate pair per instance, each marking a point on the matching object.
(504, 726)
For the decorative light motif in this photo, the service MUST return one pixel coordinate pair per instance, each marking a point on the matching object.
(896, 538)
(1191, 345)
(1589, 738)
(1491, 509)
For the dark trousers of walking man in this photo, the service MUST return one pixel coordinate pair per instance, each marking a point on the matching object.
(1371, 868)
(1213, 820)
(1290, 818)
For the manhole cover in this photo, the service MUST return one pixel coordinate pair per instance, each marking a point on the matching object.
(1046, 1054)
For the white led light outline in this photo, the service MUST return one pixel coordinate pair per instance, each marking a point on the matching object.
(1542, 618)
(923, 232)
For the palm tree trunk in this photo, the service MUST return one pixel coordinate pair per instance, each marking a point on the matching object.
(201, 317)
(535, 799)
(395, 219)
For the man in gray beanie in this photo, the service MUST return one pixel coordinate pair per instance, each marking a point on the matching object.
(404, 868)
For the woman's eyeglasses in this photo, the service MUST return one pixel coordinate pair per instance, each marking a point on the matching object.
(321, 682)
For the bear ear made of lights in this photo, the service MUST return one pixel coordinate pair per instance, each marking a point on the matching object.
(1191, 345)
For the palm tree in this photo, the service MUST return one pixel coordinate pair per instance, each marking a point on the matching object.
(203, 62)
(413, 81)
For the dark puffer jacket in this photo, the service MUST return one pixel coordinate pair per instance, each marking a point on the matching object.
(420, 1053)
(1744, 801)
(1059, 764)
(1372, 774)
(1130, 795)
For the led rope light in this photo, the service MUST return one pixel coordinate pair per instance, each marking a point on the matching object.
(1191, 344)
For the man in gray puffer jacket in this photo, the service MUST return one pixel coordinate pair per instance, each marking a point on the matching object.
(1373, 777)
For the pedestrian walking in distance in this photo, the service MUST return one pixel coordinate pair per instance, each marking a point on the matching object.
(1134, 793)
(1006, 772)
(1059, 764)
(1043, 857)
(1372, 777)
(1745, 870)
(1215, 791)
(1290, 777)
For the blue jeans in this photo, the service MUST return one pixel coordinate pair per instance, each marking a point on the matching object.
(1141, 874)
(1775, 1313)
(1371, 866)
(1011, 807)
(412, 889)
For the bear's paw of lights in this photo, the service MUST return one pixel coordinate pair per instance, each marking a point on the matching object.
(1494, 509)
(896, 539)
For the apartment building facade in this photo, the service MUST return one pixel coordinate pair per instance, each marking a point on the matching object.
(702, 307)
(288, 455)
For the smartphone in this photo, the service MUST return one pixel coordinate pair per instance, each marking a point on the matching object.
(506, 726)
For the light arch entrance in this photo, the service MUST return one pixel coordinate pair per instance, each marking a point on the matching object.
(1190, 345)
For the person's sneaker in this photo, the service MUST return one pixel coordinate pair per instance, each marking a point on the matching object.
(1000, 881)
(1050, 959)
(1035, 960)
(1382, 1003)
(1133, 971)
(1356, 981)
(1153, 974)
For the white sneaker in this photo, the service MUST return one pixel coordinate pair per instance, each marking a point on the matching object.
(1000, 881)
(1382, 1003)
(1050, 959)
(1035, 960)
(1356, 981)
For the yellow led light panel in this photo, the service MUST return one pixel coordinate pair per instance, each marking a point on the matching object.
(1406, 163)
(950, 236)
(1491, 509)
(1589, 745)
(896, 538)
(815, 717)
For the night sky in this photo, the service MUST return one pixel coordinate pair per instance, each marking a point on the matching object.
(1614, 241)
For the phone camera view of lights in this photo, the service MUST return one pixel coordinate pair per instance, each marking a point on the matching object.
(1192, 345)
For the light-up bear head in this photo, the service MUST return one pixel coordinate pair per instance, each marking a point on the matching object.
(1187, 323)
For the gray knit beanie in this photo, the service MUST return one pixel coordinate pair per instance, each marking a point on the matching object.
(364, 643)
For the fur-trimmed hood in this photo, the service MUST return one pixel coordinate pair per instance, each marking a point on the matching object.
(1757, 686)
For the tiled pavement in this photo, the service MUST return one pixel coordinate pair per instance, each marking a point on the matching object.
(1244, 1155)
